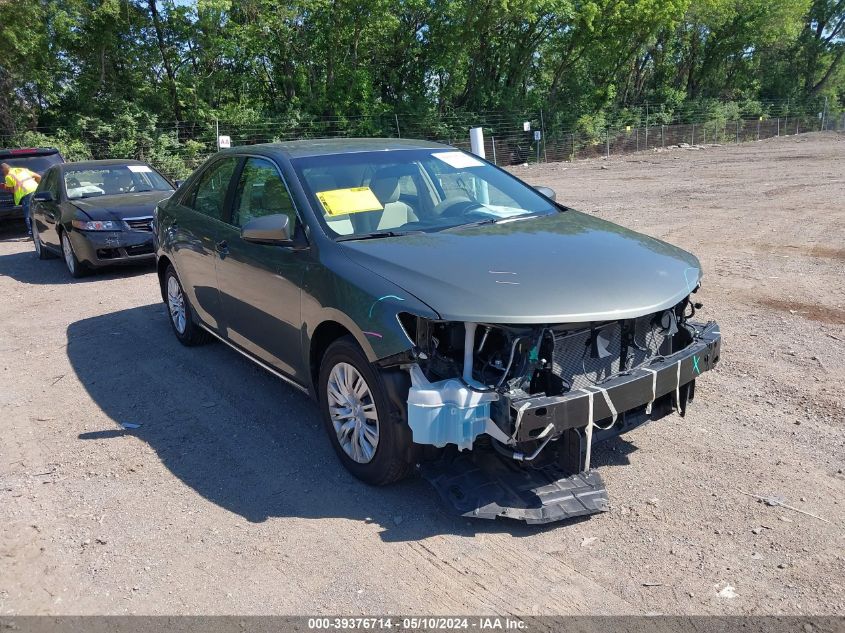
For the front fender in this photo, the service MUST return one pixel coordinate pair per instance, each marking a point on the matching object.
(362, 302)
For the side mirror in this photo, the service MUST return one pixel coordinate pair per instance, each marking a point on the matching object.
(270, 229)
(178, 183)
(43, 196)
(546, 191)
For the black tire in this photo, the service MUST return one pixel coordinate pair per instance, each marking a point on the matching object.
(393, 457)
(40, 251)
(76, 268)
(189, 333)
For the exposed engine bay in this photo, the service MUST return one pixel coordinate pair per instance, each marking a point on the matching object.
(541, 395)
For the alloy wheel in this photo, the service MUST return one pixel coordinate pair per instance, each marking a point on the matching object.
(353, 412)
(176, 304)
(67, 250)
(36, 239)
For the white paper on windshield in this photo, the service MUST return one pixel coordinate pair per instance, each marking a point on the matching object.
(503, 212)
(83, 190)
(139, 169)
(458, 160)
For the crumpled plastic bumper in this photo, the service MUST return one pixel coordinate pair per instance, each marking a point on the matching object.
(483, 484)
(107, 248)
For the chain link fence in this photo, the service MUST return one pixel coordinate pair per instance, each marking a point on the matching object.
(510, 138)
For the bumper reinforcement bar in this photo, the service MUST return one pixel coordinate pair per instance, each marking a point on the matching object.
(540, 417)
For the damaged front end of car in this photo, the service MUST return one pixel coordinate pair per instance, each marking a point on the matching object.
(518, 408)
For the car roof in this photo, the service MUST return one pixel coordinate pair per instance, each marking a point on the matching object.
(93, 164)
(325, 146)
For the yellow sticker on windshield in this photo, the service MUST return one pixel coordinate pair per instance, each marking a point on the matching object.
(353, 200)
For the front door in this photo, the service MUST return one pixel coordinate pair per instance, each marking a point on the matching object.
(199, 229)
(260, 284)
(46, 214)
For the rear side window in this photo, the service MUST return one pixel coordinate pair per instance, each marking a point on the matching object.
(209, 195)
(261, 192)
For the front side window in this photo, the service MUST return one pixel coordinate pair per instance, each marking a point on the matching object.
(48, 182)
(113, 180)
(371, 193)
(261, 192)
(209, 196)
(52, 184)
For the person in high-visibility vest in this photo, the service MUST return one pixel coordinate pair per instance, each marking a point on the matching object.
(22, 183)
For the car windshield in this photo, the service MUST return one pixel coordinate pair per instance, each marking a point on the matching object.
(113, 180)
(38, 164)
(375, 194)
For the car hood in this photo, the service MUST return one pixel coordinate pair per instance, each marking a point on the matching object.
(121, 206)
(565, 268)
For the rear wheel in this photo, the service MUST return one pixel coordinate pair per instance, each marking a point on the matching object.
(372, 442)
(180, 312)
(76, 268)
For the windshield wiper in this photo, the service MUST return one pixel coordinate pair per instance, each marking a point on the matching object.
(468, 224)
(376, 235)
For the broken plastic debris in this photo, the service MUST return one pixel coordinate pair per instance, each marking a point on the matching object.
(589, 540)
(130, 425)
(728, 592)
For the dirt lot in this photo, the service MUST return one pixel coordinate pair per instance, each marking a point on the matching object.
(228, 498)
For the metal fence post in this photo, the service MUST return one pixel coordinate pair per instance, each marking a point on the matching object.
(543, 132)
(824, 115)
(759, 121)
(663, 136)
(573, 146)
(737, 132)
(693, 134)
(637, 132)
(778, 126)
(607, 141)
(398, 131)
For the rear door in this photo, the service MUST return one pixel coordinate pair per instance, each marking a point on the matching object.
(259, 283)
(198, 228)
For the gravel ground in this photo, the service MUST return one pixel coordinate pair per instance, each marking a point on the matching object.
(228, 499)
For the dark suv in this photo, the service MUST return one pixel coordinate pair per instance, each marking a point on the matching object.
(37, 159)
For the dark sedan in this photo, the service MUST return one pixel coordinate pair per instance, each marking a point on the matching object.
(97, 213)
(441, 311)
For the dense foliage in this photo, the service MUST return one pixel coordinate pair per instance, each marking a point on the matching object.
(115, 73)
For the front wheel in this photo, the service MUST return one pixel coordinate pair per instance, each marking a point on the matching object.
(74, 266)
(40, 251)
(371, 440)
(180, 312)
